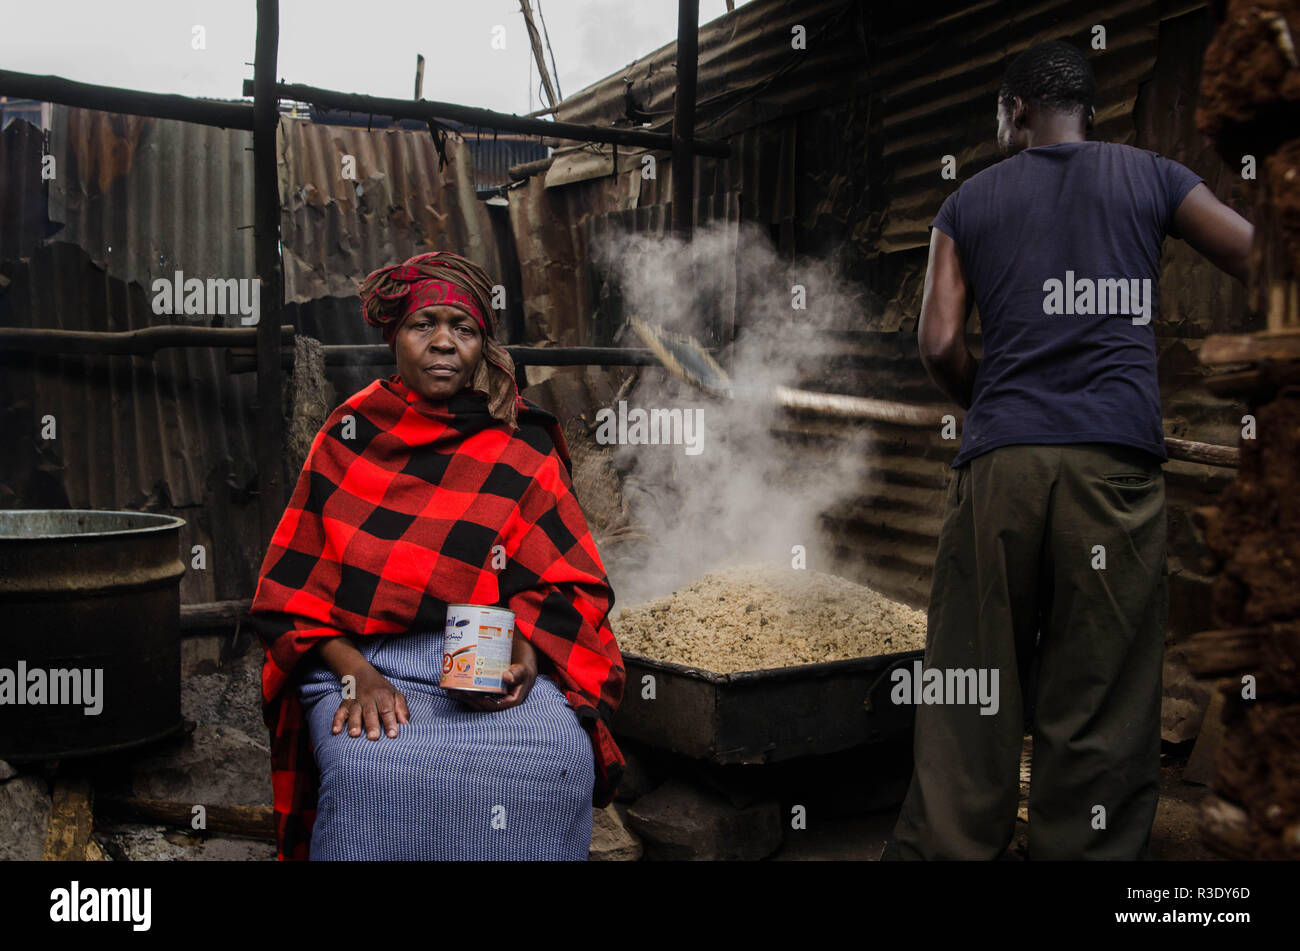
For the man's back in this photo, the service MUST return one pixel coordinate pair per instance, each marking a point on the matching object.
(1051, 566)
(1061, 245)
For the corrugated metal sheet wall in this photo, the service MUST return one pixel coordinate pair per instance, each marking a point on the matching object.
(135, 199)
(337, 229)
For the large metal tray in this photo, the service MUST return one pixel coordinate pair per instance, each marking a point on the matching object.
(761, 716)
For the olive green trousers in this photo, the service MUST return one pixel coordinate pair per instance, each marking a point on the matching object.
(1051, 575)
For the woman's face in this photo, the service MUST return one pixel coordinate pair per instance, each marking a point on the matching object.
(438, 349)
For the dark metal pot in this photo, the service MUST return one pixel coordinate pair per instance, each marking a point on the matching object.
(764, 716)
(92, 600)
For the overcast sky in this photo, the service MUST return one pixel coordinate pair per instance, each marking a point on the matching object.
(364, 46)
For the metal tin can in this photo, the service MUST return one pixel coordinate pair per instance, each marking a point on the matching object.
(477, 647)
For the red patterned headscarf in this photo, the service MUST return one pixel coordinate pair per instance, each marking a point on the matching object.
(435, 292)
(389, 294)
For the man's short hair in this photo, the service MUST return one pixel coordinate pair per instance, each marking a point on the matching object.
(1052, 75)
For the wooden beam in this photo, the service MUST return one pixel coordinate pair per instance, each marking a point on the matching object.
(143, 342)
(1247, 348)
(426, 109)
(241, 360)
(1203, 452)
(251, 822)
(223, 115)
(525, 170)
(213, 614)
(858, 407)
(1267, 377)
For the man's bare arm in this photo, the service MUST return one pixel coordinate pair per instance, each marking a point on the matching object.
(941, 334)
(1215, 230)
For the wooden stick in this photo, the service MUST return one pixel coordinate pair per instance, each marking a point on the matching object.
(536, 41)
(242, 360)
(859, 407)
(424, 109)
(251, 822)
(1246, 348)
(213, 613)
(1266, 377)
(685, 358)
(1203, 452)
(143, 342)
(223, 115)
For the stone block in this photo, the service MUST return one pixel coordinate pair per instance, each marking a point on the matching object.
(680, 820)
(611, 840)
(24, 817)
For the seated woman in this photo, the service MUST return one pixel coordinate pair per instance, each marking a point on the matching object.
(439, 485)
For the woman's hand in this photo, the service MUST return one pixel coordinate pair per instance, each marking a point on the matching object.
(519, 677)
(377, 704)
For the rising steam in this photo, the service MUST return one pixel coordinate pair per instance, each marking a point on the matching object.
(754, 492)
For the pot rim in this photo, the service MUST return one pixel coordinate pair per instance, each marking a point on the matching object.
(164, 523)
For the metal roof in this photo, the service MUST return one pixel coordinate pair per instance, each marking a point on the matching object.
(930, 71)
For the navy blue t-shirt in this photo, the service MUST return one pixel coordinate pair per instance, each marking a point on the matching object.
(1061, 245)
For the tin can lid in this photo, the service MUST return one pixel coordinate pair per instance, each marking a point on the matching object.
(483, 607)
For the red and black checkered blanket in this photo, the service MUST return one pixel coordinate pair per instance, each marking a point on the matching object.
(403, 507)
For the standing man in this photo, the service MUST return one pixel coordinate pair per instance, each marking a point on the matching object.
(1050, 573)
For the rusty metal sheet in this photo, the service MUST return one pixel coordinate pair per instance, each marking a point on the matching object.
(145, 197)
(336, 229)
(579, 165)
(23, 221)
(749, 71)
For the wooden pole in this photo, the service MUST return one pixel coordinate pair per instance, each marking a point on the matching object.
(143, 342)
(536, 42)
(251, 822)
(223, 115)
(688, 18)
(266, 232)
(425, 109)
(240, 360)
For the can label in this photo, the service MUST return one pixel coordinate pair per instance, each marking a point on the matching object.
(477, 647)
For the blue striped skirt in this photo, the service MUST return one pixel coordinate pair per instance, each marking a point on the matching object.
(455, 783)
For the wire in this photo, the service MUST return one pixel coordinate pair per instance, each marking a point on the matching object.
(554, 72)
